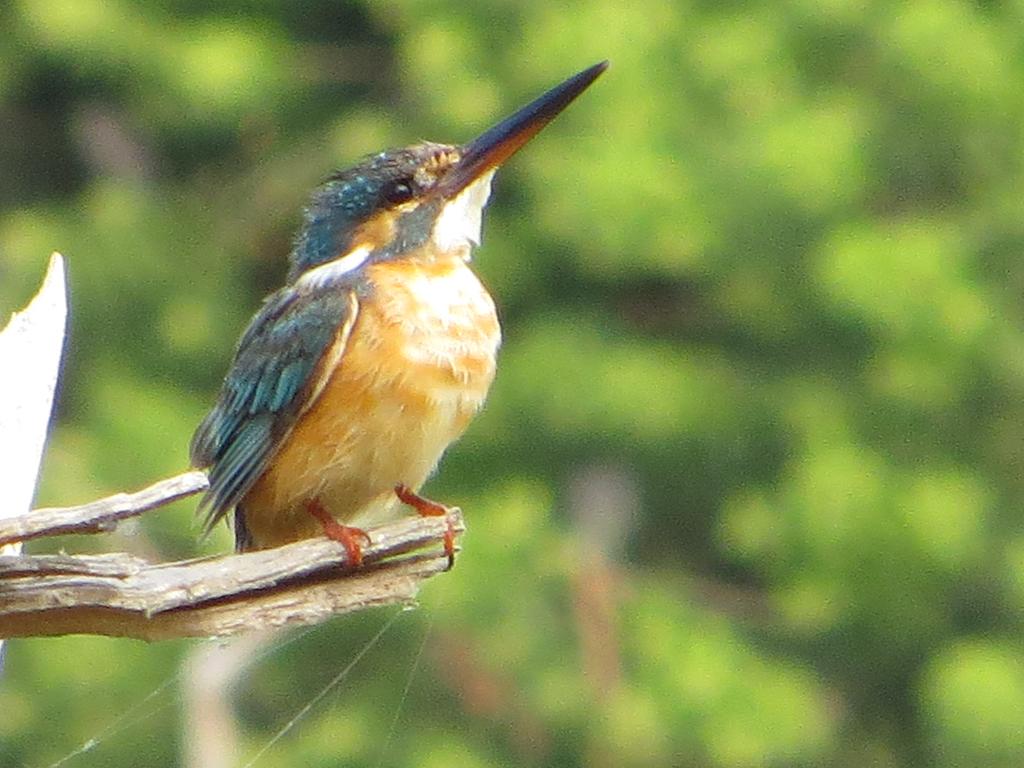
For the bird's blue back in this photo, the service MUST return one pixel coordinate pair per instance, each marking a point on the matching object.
(274, 374)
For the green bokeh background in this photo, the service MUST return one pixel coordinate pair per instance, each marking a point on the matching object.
(747, 490)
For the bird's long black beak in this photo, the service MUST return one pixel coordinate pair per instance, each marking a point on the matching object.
(496, 145)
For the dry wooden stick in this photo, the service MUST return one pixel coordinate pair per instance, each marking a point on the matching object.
(101, 515)
(125, 596)
(301, 583)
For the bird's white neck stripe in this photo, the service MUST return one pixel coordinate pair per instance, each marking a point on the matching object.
(323, 275)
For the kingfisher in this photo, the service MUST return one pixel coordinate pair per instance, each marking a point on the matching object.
(354, 378)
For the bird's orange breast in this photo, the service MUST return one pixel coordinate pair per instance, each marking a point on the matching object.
(416, 367)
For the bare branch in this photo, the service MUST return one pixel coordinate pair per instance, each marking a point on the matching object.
(101, 515)
(125, 596)
(302, 583)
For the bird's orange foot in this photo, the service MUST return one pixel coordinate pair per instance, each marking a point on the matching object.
(427, 508)
(348, 536)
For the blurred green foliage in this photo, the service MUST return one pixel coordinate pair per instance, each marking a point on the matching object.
(766, 276)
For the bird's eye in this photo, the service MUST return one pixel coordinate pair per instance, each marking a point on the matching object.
(399, 191)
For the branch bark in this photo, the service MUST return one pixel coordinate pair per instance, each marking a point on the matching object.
(101, 515)
(124, 596)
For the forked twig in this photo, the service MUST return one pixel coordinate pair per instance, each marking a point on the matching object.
(122, 595)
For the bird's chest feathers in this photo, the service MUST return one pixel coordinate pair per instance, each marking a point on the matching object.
(433, 328)
(416, 368)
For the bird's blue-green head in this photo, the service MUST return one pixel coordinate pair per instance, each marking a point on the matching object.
(393, 203)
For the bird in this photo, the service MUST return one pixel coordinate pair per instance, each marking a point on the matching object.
(352, 379)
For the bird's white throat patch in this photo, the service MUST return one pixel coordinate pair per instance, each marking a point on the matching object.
(458, 225)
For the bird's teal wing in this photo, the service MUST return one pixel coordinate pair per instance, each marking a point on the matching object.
(281, 365)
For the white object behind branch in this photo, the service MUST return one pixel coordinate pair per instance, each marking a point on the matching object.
(30, 353)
